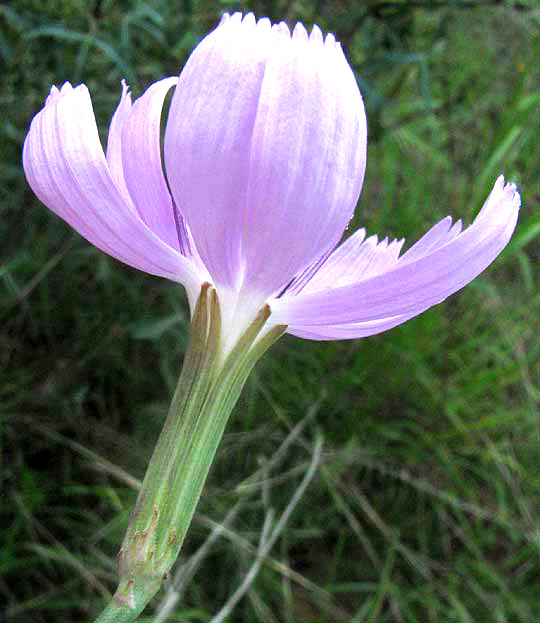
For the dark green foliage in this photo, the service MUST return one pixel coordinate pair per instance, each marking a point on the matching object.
(426, 502)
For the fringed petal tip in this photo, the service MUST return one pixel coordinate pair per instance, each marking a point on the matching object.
(443, 261)
(504, 192)
(126, 92)
(316, 34)
(55, 93)
(299, 32)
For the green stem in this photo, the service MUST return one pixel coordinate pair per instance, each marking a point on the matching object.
(119, 611)
(207, 391)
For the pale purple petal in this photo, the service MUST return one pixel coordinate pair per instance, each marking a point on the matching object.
(66, 168)
(304, 277)
(307, 157)
(114, 143)
(141, 158)
(265, 150)
(411, 285)
(439, 234)
(54, 93)
(354, 260)
(207, 138)
(136, 154)
(351, 330)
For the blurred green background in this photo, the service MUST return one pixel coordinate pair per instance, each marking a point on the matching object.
(423, 504)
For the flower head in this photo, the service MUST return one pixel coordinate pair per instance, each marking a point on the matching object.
(265, 153)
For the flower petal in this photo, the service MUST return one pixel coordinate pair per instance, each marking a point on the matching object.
(207, 138)
(349, 331)
(413, 284)
(114, 143)
(141, 157)
(354, 260)
(66, 168)
(265, 150)
(307, 158)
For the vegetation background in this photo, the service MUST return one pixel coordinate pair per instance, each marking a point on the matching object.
(423, 504)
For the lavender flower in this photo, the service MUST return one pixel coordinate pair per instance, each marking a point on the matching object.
(265, 152)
